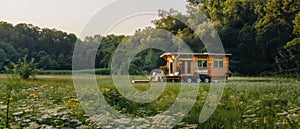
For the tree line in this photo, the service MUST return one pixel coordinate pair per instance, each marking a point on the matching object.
(262, 36)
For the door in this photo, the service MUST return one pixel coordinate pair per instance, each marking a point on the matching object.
(171, 67)
(182, 67)
(188, 67)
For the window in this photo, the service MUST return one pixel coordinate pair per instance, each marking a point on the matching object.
(218, 64)
(202, 64)
(189, 67)
(202, 57)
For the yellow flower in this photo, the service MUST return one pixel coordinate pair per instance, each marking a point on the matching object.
(35, 96)
(9, 99)
(31, 95)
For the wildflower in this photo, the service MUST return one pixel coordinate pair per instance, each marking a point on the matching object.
(87, 120)
(9, 99)
(282, 114)
(266, 120)
(35, 96)
(31, 95)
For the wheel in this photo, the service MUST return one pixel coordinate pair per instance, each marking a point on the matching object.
(188, 80)
(198, 80)
(163, 79)
(206, 80)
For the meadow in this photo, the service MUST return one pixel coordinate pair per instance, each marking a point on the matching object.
(50, 101)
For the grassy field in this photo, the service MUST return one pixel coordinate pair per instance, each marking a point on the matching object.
(247, 102)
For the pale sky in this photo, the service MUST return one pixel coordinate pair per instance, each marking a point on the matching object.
(72, 16)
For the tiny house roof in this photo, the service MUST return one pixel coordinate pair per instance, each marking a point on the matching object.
(195, 54)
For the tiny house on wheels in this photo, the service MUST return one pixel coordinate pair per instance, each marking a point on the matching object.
(195, 67)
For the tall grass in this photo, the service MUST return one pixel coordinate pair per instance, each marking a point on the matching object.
(256, 102)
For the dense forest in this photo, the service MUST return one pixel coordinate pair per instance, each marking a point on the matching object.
(262, 36)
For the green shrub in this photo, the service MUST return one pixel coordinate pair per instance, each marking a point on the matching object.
(23, 68)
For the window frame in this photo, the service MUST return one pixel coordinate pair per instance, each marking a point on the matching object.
(218, 63)
(221, 66)
(202, 63)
